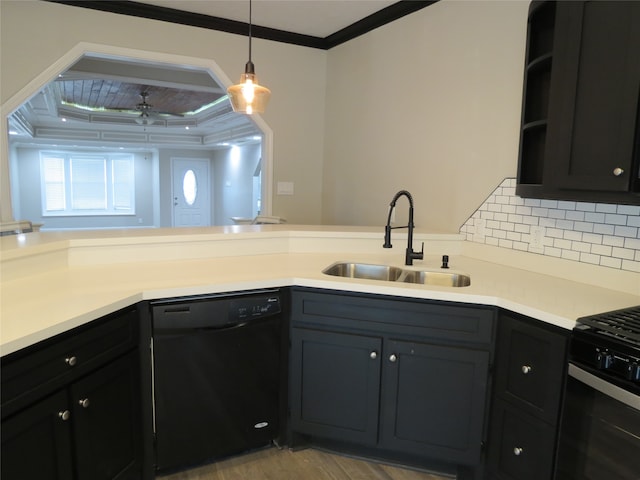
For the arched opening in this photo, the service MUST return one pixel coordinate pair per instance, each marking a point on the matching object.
(98, 105)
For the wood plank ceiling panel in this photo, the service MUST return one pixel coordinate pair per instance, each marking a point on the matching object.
(122, 96)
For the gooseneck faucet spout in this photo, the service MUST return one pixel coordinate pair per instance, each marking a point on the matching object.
(410, 255)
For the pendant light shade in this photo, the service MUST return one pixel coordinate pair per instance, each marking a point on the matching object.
(248, 96)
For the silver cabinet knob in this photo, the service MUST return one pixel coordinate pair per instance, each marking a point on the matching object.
(71, 361)
(373, 355)
(526, 369)
(517, 451)
(393, 358)
(84, 403)
(64, 415)
(618, 171)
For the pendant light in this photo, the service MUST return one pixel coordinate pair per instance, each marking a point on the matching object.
(248, 96)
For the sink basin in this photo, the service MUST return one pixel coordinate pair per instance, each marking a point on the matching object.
(396, 274)
(364, 270)
(444, 279)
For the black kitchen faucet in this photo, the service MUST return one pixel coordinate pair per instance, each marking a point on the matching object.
(410, 255)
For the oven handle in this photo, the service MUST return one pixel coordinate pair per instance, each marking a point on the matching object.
(605, 387)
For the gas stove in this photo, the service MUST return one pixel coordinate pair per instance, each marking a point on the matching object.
(609, 344)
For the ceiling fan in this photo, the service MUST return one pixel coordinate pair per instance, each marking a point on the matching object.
(148, 116)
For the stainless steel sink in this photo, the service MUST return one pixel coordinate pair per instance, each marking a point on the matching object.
(363, 270)
(396, 274)
(444, 279)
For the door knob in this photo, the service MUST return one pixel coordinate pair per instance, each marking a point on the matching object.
(517, 451)
(373, 355)
(84, 403)
(393, 358)
(526, 369)
(64, 415)
(71, 361)
(618, 171)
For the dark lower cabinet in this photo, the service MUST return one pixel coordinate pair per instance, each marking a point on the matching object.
(524, 445)
(531, 364)
(337, 377)
(106, 421)
(36, 443)
(379, 373)
(433, 400)
(85, 425)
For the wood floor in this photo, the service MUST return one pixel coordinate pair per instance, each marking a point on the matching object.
(309, 464)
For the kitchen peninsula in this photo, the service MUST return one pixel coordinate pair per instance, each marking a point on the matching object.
(55, 281)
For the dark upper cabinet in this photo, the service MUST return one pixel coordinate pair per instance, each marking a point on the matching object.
(580, 132)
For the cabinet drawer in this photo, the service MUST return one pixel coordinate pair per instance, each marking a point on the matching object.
(530, 367)
(437, 320)
(522, 447)
(35, 371)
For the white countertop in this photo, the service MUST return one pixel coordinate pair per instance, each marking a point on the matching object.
(52, 282)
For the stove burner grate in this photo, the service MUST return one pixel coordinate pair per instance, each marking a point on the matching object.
(622, 324)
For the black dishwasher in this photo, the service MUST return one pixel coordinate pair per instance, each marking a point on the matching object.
(217, 376)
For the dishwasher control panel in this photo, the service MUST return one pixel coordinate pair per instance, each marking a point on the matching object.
(254, 307)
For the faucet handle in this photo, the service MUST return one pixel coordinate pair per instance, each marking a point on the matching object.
(387, 237)
(420, 254)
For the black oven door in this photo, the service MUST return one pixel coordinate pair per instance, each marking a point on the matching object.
(600, 433)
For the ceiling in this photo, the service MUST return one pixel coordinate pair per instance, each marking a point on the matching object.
(317, 18)
(113, 101)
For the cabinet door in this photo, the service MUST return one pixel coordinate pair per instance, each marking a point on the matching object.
(594, 96)
(521, 447)
(107, 422)
(335, 385)
(434, 400)
(36, 443)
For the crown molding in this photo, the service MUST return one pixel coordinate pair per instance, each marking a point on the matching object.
(136, 9)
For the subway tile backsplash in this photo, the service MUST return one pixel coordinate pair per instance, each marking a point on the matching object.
(596, 233)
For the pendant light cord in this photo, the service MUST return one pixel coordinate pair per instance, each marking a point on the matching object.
(250, 23)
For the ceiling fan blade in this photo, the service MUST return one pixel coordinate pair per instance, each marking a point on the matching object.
(171, 114)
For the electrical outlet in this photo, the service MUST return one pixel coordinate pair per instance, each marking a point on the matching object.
(285, 188)
(537, 238)
(478, 230)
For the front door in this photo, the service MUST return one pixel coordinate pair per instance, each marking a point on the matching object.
(190, 192)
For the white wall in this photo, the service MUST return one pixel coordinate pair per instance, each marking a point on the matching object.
(234, 168)
(429, 103)
(34, 35)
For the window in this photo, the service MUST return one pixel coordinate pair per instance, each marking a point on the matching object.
(87, 184)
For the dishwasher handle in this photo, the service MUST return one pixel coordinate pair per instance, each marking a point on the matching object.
(180, 331)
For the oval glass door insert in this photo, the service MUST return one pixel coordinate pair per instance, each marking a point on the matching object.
(189, 187)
